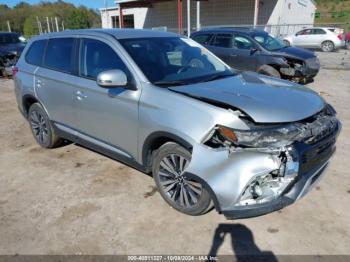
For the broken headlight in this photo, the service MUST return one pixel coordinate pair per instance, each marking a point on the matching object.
(265, 137)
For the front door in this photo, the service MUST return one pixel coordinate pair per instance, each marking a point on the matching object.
(242, 54)
(107, 117)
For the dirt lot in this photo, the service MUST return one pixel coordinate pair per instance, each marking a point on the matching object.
(73, 201)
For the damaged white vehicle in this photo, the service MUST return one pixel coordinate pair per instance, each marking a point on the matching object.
(244, 143)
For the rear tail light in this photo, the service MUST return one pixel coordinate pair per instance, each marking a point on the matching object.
(340, 36)
(14, 71)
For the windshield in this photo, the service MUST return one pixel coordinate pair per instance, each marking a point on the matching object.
(9, 39)
(174, 60)
(269, 42)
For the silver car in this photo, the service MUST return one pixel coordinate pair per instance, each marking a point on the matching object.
(316, 37)
(244, 143)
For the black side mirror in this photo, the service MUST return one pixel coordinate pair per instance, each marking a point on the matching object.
(253, 50)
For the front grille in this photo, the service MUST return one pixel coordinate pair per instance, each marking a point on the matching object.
(318, 154)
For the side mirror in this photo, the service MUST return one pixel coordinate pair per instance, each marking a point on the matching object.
(253, 50)
(112, 78)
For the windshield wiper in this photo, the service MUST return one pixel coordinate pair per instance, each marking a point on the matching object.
(217, 76)
(170, 83)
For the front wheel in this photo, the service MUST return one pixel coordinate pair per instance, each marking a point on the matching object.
(182, 193)
(327, 46)
(269, 71)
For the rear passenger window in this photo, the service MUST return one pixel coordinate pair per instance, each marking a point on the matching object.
(223, 40)
(96, 57)
(202, 39)
(318, 32)
(35, 53)
(59, 54)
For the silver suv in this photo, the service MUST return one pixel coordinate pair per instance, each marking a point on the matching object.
(244, 143)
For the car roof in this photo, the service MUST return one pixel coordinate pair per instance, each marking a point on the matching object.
(9, 33)
(117, 33)
(244, 30)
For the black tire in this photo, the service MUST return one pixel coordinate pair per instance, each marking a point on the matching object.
(183, 187)
(42, 128)
(269, 71)
(286, 42)
(327, 46)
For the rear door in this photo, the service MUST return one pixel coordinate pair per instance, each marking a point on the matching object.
(107, 117)
(318, 36)
(55, 80)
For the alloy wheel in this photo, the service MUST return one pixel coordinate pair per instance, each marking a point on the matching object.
(39, 127)
(179, 189)
(327, 46)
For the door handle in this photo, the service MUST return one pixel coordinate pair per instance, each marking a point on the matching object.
(39, 83)
(233, 55)
(80, 95)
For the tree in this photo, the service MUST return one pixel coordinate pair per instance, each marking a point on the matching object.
(30, 27)
(78, 19)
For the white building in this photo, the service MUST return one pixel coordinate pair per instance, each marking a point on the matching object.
(280, 17)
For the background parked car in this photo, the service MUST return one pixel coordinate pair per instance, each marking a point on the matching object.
(325, 38)
(11, 47)
(255, 50)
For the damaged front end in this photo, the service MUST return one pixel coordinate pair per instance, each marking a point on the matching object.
(260, 170)
(299, 71)
(7, 61)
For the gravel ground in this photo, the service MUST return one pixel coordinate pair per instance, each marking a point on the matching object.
(73, 201)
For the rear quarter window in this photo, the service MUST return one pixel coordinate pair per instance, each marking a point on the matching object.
(60, 54)
(35, 53)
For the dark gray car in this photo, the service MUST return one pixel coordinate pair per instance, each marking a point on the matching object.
(255, 50)
(11, 48)
(245, 143)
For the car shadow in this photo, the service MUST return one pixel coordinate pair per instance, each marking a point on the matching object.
(242, 241)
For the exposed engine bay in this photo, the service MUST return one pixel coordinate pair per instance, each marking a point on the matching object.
(7, 61)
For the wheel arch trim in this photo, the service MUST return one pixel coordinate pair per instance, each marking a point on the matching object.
(153, 137)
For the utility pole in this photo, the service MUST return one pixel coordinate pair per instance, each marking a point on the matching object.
(8, 25)
(52, 26)
(62, 25)
(48, 25)
(56, 20)
(188, 18)
(39, 25)
(198, 15)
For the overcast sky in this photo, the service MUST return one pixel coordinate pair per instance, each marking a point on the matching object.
(88, 3)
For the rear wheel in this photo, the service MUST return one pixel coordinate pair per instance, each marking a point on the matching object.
(327, 46)
(269, 71)
(182, 193)
(42, 128)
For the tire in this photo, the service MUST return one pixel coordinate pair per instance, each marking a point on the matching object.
(269, 71)
(185, 195)
(42, 128)
(327, 46)
(286, 42)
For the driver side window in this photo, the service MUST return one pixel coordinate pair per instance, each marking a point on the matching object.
(96, 57)
(242, 42)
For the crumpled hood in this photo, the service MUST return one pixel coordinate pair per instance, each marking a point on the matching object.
(264, 99)
(295, 52)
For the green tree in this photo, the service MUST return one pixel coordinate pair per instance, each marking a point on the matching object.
(78, 19)
(30, 27)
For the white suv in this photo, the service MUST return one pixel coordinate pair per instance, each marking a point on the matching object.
(318, 37)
